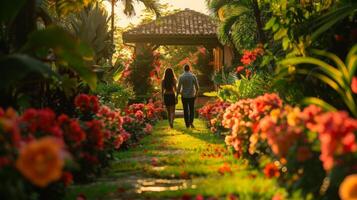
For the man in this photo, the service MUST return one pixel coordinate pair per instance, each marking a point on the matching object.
(188, 88)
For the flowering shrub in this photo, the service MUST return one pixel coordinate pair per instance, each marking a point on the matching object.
(304, 148)
(35, 145)
(248, 61)
(139, 118)
(243, 117)
(213, 113)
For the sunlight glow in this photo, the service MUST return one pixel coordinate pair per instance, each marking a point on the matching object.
(124, 21)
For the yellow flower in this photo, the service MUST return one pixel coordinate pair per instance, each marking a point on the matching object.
(40, 161)
(348, 188)
(274, 114)
(293, 116)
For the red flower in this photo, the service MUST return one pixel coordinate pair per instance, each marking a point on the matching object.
(95, 133)
(148, 128)
(87, 103)
(125, 135)
(118, 142)
(225, 169)
(139, 115)
(81, 101)
(90, 158)
(339, 38)
(248, 73)
(264, 104)
(239, 69)
(271, 170)
(67, 178)
(248, 57)
(200, 197)
(154, 161)
(354, 85)
(76, 133)
(4, 161)
(40, 120)
(336, 134)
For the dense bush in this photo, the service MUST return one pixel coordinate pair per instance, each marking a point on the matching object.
(298, 144)
(143, 71)
(42, 153)
(114, 95)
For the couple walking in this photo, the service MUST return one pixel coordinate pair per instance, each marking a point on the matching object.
(187, 87)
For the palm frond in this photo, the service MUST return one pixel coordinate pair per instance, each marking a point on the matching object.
(225, 28)
(152, 5)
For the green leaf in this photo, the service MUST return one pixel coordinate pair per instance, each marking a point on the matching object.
(280, 34)
(65, 7)
(72, 53)
(211, 94)
(10, 8)
(332, 21)
(328, 69)
(14, 68)
(285, 43)
(118, 73)
(335, 58)
(270, 23)
(275, 27)
(318, 102)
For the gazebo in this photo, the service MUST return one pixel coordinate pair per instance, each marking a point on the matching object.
(185, 27)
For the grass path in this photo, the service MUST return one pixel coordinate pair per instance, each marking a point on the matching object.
(176, 163)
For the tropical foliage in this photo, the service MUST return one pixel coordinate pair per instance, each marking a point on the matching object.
(75, 101)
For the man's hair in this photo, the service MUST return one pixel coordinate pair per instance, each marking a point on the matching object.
(186, 67)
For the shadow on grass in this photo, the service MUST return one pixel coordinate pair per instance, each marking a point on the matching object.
(200, 131)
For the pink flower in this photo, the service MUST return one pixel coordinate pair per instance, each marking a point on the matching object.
(336, 134)
(139, 115)
(148, 128)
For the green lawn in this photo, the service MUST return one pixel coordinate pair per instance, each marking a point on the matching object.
(171, 163)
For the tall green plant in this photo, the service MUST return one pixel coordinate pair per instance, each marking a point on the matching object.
(91, 26)
(297, 25)
(139, 77)
(240, 22)
(339, 78)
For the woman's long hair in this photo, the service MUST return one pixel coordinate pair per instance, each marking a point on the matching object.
(169, 80)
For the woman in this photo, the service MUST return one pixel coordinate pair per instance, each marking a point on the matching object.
(168, 90)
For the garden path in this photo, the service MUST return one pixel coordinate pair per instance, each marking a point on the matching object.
(178, 163)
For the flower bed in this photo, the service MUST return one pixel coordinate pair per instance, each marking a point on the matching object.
(305, 149)
(42, 153)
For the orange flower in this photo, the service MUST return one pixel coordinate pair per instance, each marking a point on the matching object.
(271, 170)
(40, 161)
(225, 169)
(348, 188)
(354, 85)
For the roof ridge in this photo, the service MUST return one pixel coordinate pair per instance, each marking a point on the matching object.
(203, 23)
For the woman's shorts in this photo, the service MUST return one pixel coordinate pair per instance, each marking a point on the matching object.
(169, 99)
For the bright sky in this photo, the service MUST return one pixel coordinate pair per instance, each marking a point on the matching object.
(123, 21)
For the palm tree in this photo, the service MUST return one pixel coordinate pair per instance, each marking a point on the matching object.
(129, 9)
(240, 21)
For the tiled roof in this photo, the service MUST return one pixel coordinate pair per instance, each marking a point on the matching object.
(182, 23)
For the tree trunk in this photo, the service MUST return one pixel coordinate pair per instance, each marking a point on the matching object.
(113, 19)
(257, 15)
(112, 28)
